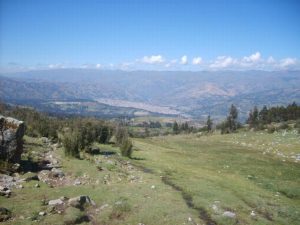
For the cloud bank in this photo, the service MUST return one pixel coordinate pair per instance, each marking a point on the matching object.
(254, 61)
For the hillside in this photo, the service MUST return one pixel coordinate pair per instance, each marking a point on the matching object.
(192, 94)
(245, 178)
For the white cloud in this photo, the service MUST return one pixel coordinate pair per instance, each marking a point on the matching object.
(171, 63)
(154, 59)
(287, 62)
(271, 60)
(56, 66)
(252, 58)
(197, 61)
(98, 66)
(184, 60)
(223, 62)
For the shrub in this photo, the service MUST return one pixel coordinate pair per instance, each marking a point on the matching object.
(121, 135)
(74, 216)
(283, 126)
(120, 208)
(271, 129)
(71, 144)
(126, 148)
(297, 124)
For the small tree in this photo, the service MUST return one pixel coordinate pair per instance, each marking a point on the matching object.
(263, 115)
(175, 128)
(209, 124)
(253, 118)
(232, 118)
(230, 124)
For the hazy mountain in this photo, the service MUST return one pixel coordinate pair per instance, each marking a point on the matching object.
(187, 93)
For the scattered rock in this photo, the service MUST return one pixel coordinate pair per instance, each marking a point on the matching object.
(215, 208)
(56, 173)
(45, 140)
(103, 206)
(44, 175)
(15, 167)
(5, 214)
(252, 213)
(4, 191)
(11, 139)
(55, 202)
(153, 187)
(36, 185)
(42, 213)
(229, 214)
(80, 201)
(77, 182)
(63, 198)
(7, 181)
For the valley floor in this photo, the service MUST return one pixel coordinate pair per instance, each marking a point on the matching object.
(243, 178)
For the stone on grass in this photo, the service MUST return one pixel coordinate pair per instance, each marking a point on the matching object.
(42, 213)
(57, 173)
(103, 206)
(80, 201)
(77, 182)
(4, 191)
(55, 202)
(229, 214)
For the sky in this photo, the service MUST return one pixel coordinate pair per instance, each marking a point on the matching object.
(150, 34)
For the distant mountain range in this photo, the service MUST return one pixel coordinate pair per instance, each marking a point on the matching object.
(175, 93)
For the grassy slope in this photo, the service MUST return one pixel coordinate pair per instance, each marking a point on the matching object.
(238, 172)
(140, 202)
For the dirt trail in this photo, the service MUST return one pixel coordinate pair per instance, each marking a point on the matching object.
(203, 214)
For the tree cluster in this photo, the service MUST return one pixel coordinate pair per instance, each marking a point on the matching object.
(182, 128)
(231, 123)
(75, 133)
(266, 115)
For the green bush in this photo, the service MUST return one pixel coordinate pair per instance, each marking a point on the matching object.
(70, 142)
(271, 129)
(126, 148)
(283, 126)
(297, 124)
(74, 216)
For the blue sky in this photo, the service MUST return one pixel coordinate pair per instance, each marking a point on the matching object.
(149, 34)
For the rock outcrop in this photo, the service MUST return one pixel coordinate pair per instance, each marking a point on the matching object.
(11, 139)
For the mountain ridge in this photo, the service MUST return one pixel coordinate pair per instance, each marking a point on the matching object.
(191, 93)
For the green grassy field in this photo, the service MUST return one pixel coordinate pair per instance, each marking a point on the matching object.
(123, 193)
(182, 179)
(240, 173)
